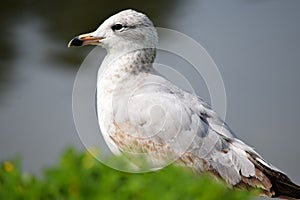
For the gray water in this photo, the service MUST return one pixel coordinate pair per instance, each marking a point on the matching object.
(254, 43)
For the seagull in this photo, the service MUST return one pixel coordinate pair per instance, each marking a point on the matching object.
(140, 111)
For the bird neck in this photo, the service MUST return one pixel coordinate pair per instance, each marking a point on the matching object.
(117, 69)
(139, 60)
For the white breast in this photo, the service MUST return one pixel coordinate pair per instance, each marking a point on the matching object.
(114, 73)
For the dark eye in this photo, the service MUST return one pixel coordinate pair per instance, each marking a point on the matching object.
(117, 27)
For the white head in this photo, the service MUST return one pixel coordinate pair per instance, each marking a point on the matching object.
(125, 31)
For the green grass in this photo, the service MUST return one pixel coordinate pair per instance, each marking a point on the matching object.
(78, 175)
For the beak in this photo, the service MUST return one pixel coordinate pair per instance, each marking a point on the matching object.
(84, 39)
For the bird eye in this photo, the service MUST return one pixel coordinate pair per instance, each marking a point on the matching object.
(117, 27)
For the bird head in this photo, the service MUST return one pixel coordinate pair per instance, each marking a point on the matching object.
(125, 31)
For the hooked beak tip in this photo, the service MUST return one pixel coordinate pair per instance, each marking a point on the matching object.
(75, 42)
(85, 39)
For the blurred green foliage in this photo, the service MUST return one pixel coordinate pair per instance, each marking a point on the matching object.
(79, 176)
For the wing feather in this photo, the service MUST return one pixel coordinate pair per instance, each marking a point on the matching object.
(191, 131)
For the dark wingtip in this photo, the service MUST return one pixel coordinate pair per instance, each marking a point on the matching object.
(75, 42)
(285, 189)
(282, 186)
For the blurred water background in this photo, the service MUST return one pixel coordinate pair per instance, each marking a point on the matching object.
(255, 44)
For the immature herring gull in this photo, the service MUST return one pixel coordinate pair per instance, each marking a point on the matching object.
(140, 111)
